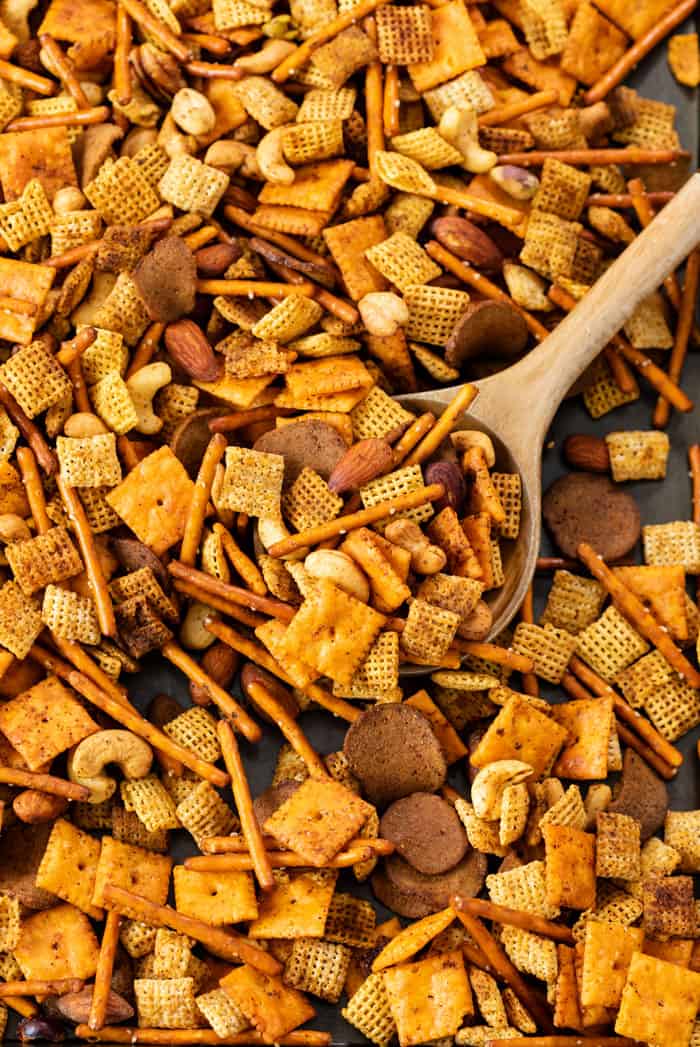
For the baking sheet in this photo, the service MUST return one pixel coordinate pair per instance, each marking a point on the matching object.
(659, 502)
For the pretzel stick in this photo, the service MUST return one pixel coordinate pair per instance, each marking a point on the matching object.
(527, 615)
(146, 349)
(686, 316)
(233, 593)
(514, 918)
(374, 102)
(573, 687)
(128, 452)
(227, 705)
(621, 373)
(286, 242)
(482, 284)
(443, 427)
(538, 100)
(244, 805)
(148, 22)
(214, 71)
(27, 1008)
(493, 653)
(506, 216)
(278, 860)
(622, 200)
(74, 371)
(639, 360)
(105, 968)
(298, 58)
(239, 614)
(123, 87)
(227, 945)
(237, 845)
(644, 728)
(76, 254)
(75, 347)
(127, 717)
(331, 303)
(77, 657)
(41, 987)
(641, 47)
(241, 563)
(34, 490)
(588, 157)
(343, 524)
(215, 45)
(64, 70)
(255, 288)
(291, 730)
(194, 523)
(93, 567)
(663, 769)
(391, 101)
(637, 615)
(193, 1037)
(200, 237)
(694, 463)
(24, 78)
(502, 965)
(412, 437)
(83, 117)
(229, 423)
(258, 654)
(44, 455)
(644, 211)
(45, 783)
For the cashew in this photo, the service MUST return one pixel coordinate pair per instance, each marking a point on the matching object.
(230, 156)
(597, 799)
(142, 387)
(13, 529)
(87, 761)
(84, 423)
(68, 199)
(266, 59)
(93, 92)
(270, 157)
(192, 112)
(426, 558)
(462, 439)
(137, 138)
(174, 143)
(271, 529)
(193, 633)
(383, 313)
(340, 569)
(460, 128)
(488, 786)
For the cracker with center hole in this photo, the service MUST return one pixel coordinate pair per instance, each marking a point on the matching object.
(225, 1018)
(617, 846)
(273, 634)
(569, 867)
(68, 867)
(133, 868)
(669, 907)
(44, 721)
(154, 500)
(318, 820)
(659, 1002)
(610, 644)
(166, 1003)
(296, 907)
(57, 943)
(429, 999)
(269, 1005)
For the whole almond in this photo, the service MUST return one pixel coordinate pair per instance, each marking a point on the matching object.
(34, 807)
(467, 241)
(215, 259)
(451, 477)
(221, 663)
(189, 348)
(588, 453)
(361, 463)
(75, 1006)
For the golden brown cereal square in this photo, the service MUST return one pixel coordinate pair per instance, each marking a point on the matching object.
(682, 832)
(89, 461)
(57, 943)
(637, 455)
(195, 729)
(172, 953)
(44, 154)
(652, 128)
(70, 615)
(107, 353)
(252, 482)
(327, 104)
(44, 721)
(531, 953)
(347, 243)
(550, 244)
(166, 1003)
(602, 393)
(350, 921)
(133, 868)
(193, 186)
(607, 953)
(379, 673)
(569, 867)
(127, 827)
(523, 888)
(154, 500)
(69, 865)
(427, 148)
(143, 582)
(488, 998)
(215, 897)
(429, 999)
(368, 1010)
(684, 58)
(332, 632)
(221, 1012)
(248, 357)
(203, 813)
(563, 189)
(659, 1002)
(26, 219)
(544, 25)
(610, 644)
(429, 632)
(589, 722)
(287, 320)
(35, 378)
(318, 820)
(269, 1005)
(392, 485)
(573, 603)
(316, 187)
(618, 846)
(121, 193)
(122, 311)
(345, 54)
(140, 628)
(677, 542)
(404, 34)
(521, 732)
(379, 416)
(669, 908)
(9, 922)
(318, 967)
(296, 907)
(309, 502)
(456, 48)
(20, 620)
(402, 261)
(647, 327)
(550, 649)
(265, 102)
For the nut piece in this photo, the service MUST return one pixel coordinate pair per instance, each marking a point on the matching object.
(34, 807)
(383, 313)
(84, 423)
(130, 753)
(361, 463)
(518, 182)
(221, 663)
(467, 241)
(426, 558)
(452, 478)
(488, 786)
(588, 453)
(460, 128)
(340, 569)
(462, 439)
(598, 798)
(76, 1006)
(158, 71)
(189, 348)
(270, 157)
(271, 529)
(266, 59)
(13, 529)
(68, 199)
(142, 387)
(192, 112)
(478, 625)
(215, 259)
(230, 156)
(193, 632)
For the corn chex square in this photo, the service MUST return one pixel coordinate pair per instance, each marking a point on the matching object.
(26, 219)
(433, 312)
(252, 482)
(549, 648)
(203, 813)
(122, 311)
(309, 502)
(563, 189)
(20, 620)
(35, 378)
(318, 967)
(378, 415)
(573, 602)
(379, 673)
(674, 708)
(610, 644)
(429, 632)
(391, 486)
(618, 846)
(289, 319)
(368, 1010)
(677, 542)
(350, 921)
(669, 907)
(225, 1018)
(531, 953)
(647, 328)
(121, 193)
(522, 888)
(404, 34)
(166, 1003)
(89, 461)
(151, 801)
(402, 261)
(192, 185)
(50, 557)
(602, 393)
(636, 455)
(70, 615)
(128, 828)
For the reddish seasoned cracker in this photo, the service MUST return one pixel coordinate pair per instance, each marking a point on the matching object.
(57, 943)
(429, 999)
(154, 500)
(636, 19)
(44, 155)
(269, 1005)
(456, 47)
(318, 820)
(81, 22)
(659, 1002)
(215, 897)
(607, 953)
(296, 907)
(589, 722)
(542, 76)
(316, 187)
(569, 867)
(347, 243)
(44, 721)
(521, 732)
(662, 589)
(133, 868)
(68, 866)
(593, 45)
(26, 282)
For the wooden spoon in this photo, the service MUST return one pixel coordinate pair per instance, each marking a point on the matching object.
(516, 406)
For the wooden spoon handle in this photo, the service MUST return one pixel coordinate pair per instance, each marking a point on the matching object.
(520, 402)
